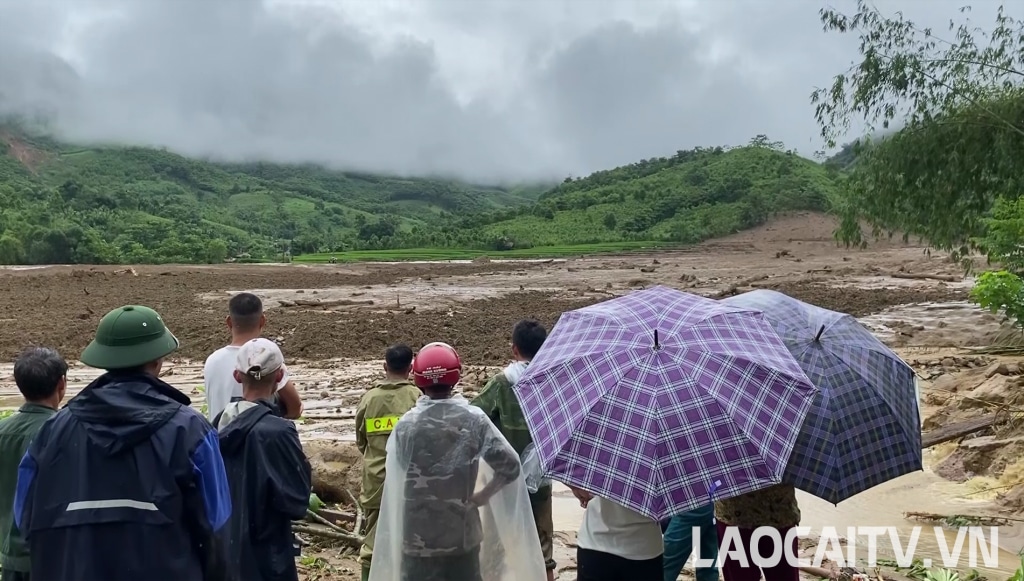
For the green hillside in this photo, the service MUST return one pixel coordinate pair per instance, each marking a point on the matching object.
(64, 204)
(689, 197)
(105, 205)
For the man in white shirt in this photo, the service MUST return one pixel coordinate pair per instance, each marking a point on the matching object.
(245, 321)
(616, 543)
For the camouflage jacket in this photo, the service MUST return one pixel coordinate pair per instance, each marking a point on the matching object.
(379, 410)
(501, 405)
(775, 506)
(440, 445)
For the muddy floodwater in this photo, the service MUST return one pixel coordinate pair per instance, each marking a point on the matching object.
(334, 321)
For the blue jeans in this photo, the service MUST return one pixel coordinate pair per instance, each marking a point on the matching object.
(679, 543)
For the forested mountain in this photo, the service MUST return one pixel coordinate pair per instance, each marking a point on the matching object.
(66, 204)
(99, 205)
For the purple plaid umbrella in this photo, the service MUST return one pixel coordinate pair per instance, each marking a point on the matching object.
(864, 427)
(661, 400)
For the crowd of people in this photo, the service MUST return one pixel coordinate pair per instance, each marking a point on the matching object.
(127, 481)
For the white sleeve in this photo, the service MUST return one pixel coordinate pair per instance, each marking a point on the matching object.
(215, 402)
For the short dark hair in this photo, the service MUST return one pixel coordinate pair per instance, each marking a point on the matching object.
(438, 391)
(398, 357)
(37, 371)
(528, 336)
(245, 310)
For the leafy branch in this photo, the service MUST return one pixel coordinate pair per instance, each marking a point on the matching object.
(960, 105)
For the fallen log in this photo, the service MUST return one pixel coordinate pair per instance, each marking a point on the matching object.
(912, 276)
(731, 291)
(317, 518)
(843, 574)
(329, 417)
(977, 520)
(351, 540)
(960, 429)
(358, 527)
(333, 303)
(818, 572)
(336, 516)
(749, 281)
(734, 289)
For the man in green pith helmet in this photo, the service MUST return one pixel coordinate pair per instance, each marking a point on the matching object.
(126, 469)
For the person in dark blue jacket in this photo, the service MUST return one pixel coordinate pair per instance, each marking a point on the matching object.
(126, 483)
(267, 470)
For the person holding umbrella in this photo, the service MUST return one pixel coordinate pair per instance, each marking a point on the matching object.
(775, 507)
(679, 542)
(616, 543)
(864, 424)
(662, 401)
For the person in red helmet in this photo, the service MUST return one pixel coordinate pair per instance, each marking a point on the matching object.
(446, 464)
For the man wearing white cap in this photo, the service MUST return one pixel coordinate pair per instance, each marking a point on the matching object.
(259, 367)
(268, 473)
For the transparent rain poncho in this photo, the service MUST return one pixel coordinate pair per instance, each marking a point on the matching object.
(455, 505)
(533, 472)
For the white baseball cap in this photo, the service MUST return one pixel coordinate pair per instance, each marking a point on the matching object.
(259, 358)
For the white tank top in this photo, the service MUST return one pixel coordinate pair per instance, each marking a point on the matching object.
(611, 528)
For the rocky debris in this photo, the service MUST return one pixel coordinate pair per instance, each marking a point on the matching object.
(978, 383)
(982, 456)
(997, 389)
(1013, 500)
(990, 443)
(933, 368)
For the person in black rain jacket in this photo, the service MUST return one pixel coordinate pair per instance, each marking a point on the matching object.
(268, 472)
(126, 483)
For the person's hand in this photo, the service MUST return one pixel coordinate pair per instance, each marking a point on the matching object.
(581, 495)
(476, 501)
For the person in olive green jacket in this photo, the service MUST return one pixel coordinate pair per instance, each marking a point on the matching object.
(379, 410)
(499, 402)
(41, 377)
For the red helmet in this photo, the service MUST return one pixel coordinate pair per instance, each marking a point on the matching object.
(436, 364)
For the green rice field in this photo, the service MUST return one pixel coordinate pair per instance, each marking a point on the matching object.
(441, 254)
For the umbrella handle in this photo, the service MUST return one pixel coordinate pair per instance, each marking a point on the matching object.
(711, 497)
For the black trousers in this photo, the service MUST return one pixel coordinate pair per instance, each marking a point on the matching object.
(12, 575)
(598, 566)
(465, 567)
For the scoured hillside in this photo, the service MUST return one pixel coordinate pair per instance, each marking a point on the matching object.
(689, 197)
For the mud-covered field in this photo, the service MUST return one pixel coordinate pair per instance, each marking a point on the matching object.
(334, 321)
(354, 311)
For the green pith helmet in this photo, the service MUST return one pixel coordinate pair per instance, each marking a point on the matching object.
(128, 337)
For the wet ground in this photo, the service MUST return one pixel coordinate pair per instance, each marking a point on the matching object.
(333, 322)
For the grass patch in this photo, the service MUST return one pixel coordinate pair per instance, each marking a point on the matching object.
(439, 254)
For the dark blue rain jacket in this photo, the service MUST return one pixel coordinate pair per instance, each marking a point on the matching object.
(270, 482)
(126, 483)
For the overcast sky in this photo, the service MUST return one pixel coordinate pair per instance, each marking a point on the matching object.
(483, 89)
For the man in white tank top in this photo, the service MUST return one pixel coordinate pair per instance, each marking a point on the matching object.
(616, 543)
